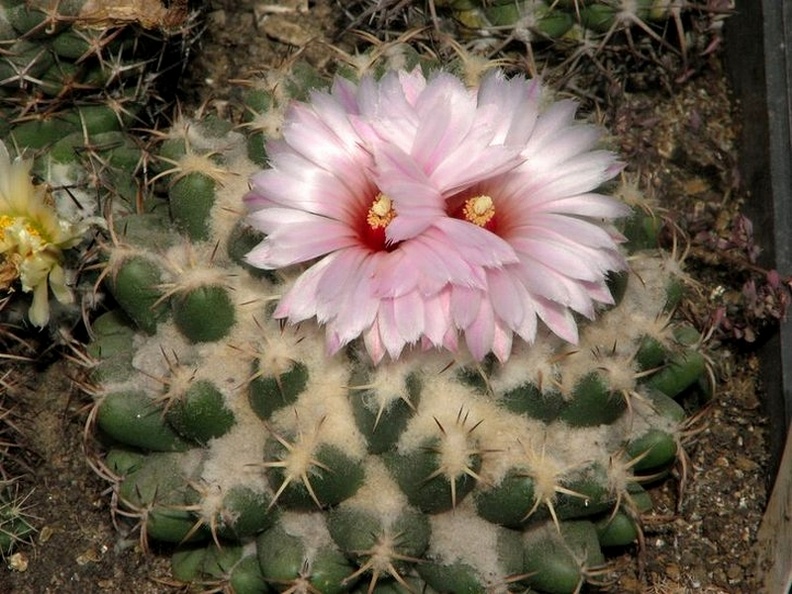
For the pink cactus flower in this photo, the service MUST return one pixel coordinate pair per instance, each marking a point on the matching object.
(426, 210)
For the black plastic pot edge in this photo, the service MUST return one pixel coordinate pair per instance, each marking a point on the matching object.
(759, 61)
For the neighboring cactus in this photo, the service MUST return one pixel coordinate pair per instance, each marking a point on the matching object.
(275, 466)
(533, 20)
(79, 165)
(579, 40)
(33, 238)
(56, 52)
(16, 520)
(16, 523)
(75, 77)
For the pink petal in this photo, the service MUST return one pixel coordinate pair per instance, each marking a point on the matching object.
(573, 261)
(416, 202)
(559, 320)
(374, 344)
(408, 314)
(388, 329)
(575, 229)
(295, 183)
(480, 334)
(557, 116)
(294, 236)
(345, 92)
(475, 244)
(465, 305)
(516, 101)
(589, 205)
(299, 303)
(437, 318)
(412, 84)
(508, 297)
(501, 342)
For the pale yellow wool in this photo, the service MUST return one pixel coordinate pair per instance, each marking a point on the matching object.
(643, 416)
(228, 207)
(237, 457)
(269, 122)
(576, 447)
(445, 401)
(458, 409)
(190, 462)
(323, 409)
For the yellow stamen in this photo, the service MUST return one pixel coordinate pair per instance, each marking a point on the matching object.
(381, 212)
(6, 221)
(479, 210)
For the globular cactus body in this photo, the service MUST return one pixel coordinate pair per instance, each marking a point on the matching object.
(69, 49)
(331, 474)
(535, 20)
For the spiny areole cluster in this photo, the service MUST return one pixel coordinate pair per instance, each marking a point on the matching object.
(273, 466)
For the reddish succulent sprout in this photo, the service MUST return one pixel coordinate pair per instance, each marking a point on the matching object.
(427, 210)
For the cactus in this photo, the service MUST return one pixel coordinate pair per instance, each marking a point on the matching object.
(582, 42)
(538, 19)
(75, 78)
(16, 522)
(57, 52)
(271, 464)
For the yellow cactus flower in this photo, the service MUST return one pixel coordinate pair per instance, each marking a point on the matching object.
(32, 238)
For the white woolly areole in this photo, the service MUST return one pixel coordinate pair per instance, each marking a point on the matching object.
(379, 494)
(539, 366)
(450, 402)
(233, 460)
(461, 535)
(387, 384)
(655, 272)
(155, 357)
(189, 462)
(643, 417)
(191, 266)
(501, 438)
(270, 121)
(74, 201)
(310, 528)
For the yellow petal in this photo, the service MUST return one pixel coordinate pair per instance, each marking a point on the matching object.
(57, 282)
(39, 312)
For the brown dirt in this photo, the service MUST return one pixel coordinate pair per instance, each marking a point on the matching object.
(681, 145)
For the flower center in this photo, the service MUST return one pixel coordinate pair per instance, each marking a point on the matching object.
(381, 212)
(7, 221)
(378, 217)
(479, 210)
